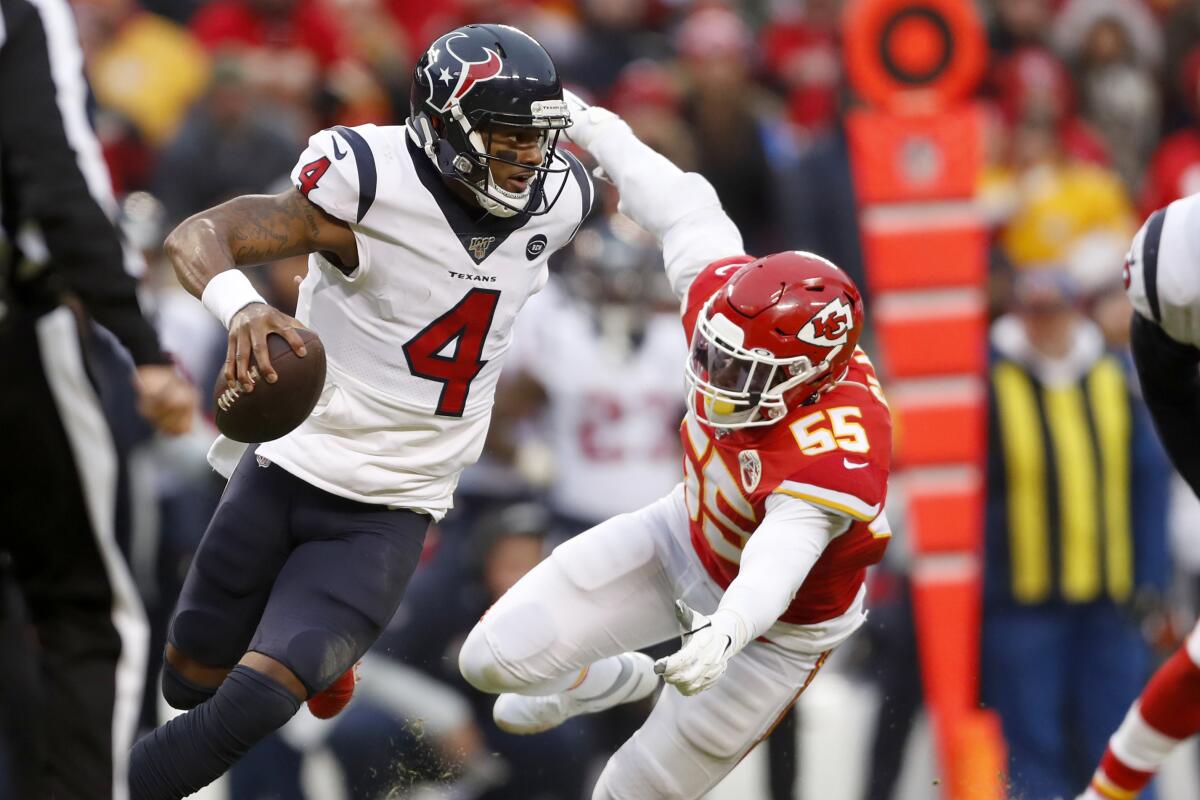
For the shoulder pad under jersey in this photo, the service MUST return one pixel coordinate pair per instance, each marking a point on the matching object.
(338, 172)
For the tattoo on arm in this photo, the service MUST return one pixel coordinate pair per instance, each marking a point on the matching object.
(310, 220)
(265, 231)
(252, 230)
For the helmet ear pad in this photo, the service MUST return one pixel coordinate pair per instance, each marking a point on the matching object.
(462, 152)
(814, 388)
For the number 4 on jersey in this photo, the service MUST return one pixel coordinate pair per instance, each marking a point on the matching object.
(310, 173)
(461, 332)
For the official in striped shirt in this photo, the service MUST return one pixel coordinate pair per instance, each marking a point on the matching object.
(73, 636)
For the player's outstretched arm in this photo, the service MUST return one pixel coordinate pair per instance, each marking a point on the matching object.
(248, 230)
(775, 562)
(680, 208)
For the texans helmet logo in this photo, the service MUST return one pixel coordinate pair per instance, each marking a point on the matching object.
(829, 326)
(451, 76)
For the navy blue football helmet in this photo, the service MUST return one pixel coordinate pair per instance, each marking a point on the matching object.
(473, 80)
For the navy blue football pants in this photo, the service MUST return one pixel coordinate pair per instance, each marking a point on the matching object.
(295, 573)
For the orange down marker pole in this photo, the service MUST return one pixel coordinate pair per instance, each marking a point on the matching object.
(916, 151)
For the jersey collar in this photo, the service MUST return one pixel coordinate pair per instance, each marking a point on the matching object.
(471, 224)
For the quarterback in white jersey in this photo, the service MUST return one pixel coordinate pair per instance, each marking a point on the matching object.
(417, 331)
(597, 360)
(1162, 279)
(426, 240)
(759, 555)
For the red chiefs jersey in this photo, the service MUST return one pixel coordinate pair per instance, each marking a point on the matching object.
(834, 453)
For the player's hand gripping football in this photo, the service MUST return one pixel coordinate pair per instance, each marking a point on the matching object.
(701, 661)
(248, 334)
(165, 398)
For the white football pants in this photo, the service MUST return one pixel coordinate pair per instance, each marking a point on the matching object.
(612, 589)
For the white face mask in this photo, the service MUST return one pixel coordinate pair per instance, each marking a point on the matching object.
(741, 388)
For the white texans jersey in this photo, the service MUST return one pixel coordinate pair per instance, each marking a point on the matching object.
(613, 412)
(1162, 270)
(415, 335)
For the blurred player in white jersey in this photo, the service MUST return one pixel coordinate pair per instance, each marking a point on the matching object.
(426, 239)
(1162, 279)
(597, 359)
(759, 556)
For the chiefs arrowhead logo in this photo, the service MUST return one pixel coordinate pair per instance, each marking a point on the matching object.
(451, 77)
(751, 466)
(830, 326)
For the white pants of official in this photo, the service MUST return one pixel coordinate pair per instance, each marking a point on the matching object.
(611, 590)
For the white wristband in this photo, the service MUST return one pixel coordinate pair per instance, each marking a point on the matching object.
(227, 293)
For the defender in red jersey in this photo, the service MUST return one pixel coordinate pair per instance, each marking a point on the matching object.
(758, 556)
(807, 421)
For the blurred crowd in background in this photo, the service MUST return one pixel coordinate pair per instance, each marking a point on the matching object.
(1094, 121)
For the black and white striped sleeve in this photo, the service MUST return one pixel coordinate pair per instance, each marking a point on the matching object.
(1162, 279)
(52, 171)
(1162, 270)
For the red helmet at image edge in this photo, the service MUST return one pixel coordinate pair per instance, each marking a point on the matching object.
(781, 330)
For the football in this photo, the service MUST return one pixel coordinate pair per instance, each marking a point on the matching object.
(273, 409)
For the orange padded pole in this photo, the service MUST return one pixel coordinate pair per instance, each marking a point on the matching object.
(916, 153)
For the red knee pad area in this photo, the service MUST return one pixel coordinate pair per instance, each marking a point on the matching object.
(1171, 701)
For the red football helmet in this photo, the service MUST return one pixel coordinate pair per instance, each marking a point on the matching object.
(780, 331)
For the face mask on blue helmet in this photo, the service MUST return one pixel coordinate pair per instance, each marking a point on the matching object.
(473, 82)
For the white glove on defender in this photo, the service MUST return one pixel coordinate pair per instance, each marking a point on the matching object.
(708, 644)
(587, 122)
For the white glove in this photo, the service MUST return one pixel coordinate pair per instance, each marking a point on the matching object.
(586, 121)
(707, 648)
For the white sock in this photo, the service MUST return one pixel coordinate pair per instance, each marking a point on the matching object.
(1138, 745)
(552, 686)
(593, 681)
(605, 676)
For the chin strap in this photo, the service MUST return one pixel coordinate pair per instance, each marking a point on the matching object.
(489, 203)
(421, 134)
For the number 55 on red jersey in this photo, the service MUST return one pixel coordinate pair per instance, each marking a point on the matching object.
(834, 453)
